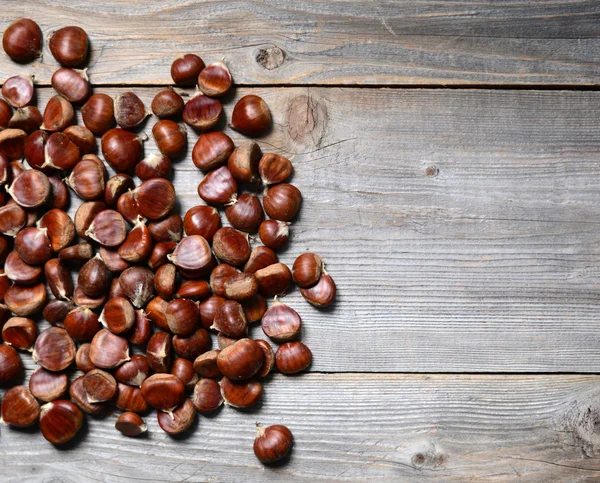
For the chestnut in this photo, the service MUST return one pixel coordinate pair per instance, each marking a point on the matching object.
(165, 279)
(254, 308)
(22, 40)
(56, 310)
(122, 149)
(155, 198)
(194, 290)
(113, 261)
(88, 178)
(54, 349)
(108, 350)
(273, 280)
(218, 186)
(58, 278)
(178, 420)
(282, 201)
(5, 113)
(193, 255)
(99, 385)
(83, 300)
(183, 317)
(268, 360)
(321, 294)
(192, 346)
(12, 143)
(19, 407)
(98, 114)
(60, 153)
(208, 310)
(94, 277)
(129, 398)
(142, 330)
(72, 84)
(27, 118)
(207, 396)
(31, 189)
(130, 424)
(20, 272)
(82, 137)
(281, 322)
(251, 116)
(33, 245)
(82, 324)
(130, 111)
(169, 229)
(220, 274)
(274, 168)
(138, 285)
(212, 150)
(134, 372)
(118, 315)
(47, 385)
(61, 229)
(202, 220)
(274, 234)
(81, 252)
(128, 206)
(224, 341)
(306, 270)
(108, 228)
(186, 68)
(138, 243)
(155, 310)
(170, 138)
(82, 358)
(58, 114)
(202, 112)
(84, 216)
(241, 287)
(245, 212)
(158, 351)
(231, 246)
(60, 421)
(12, 219)
(230, 319)
(167, 104)
(240, 360)
(241, 394)
(160, 251)
(272, 443)
(18, 90)
(292, 357)
(206, 365)
(81, 398)
(163, 392)
(10, 364)
(184, 370)
(215, 79)
(153, 166)
(243, 162)
(69, 46)
(116, 186)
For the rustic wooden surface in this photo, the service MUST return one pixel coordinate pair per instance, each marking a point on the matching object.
(461, 226)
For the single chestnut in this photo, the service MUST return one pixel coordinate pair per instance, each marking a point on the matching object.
(241, 287)
(160, 251)
(69, 46)
(241, 394)
(251, 116)
(153, 166)
(12, 143)
(129, 398)
(202, 220)
(243, 162)
(274, 168)
(88, 178)
(108, 228)
(60, 153)
(307, 269)
(20, 272)
(202, 112)
(61, 229)
(56, 310)
(27, 118)
(83, 300)
(170, 138)
(321, 294)
(273, 280)
(164, 280)
(94, 277)
(12, 219)
(60, 421)
(218, 186)
(20, 333)
(130, 424)
(169, 229)
(116, 186)
(98, 113)
(82, 137)
(281, 322)
(221, 274)
(82, 252)
(163, 392)
(255, 308)
(82, 358)
(84, 216)
(22, 40)
(230, 319)
(128, 206)
(158, 351)
(207, 396)
(138, 285)
(99, 385)
(282, 201)
(155, 310)
(58, 114)
(194, 290)
(192, 346)
(108, 350)
(54, 349)
(206, 365)
(118, 315)
(215, 79)
(82, 324)
(138, 243)
(155, 198)
(184, 370)
(33, 245)
(31, 189)
(208, 310)
(19, 407)
(142, 330)
(122, 149)
(268, 360)
(178, 420)
(18, 90)
(10, 364)
(133, 372)
(192, 255)
(47, 385)
(272, 443)
(130, 111)
(81, 398)
(274, 234)
(167, 104)
(231, 246)
(241, 360)
(186, 68)
(292, 357)
(183, 317)
(72, 84)
(58, 278)
(212, 150)
(245, 212)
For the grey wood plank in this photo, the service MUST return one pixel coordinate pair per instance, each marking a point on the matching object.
(460, 226)
(340, 42)
(351, 427)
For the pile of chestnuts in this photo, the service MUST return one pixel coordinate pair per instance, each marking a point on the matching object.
(136, 288)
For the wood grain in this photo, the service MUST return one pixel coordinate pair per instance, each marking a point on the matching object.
(461, 227)
(403, 42)
(351, 428)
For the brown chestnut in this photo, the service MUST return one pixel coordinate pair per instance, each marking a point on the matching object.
(178, 420)
(202, 220)
(212, 150)
(186, 68)
(56, 310)
(208, 310)
(192, 346)
(206, 365)
(321, 294)
(60, 421)
(69, 46)
(230, 319)
(129, 398)
(160, 251)
(254, 308)
(82, 137)
(18, 90)
(108, 228)
(118, 315)
(240, 360)
(108, 350)
(273, 280)
(241, 287)
(272, 443)
(153, 166)
(251, 116)
(58, 278)
(10, 364)
(245, 212)
(274, 234)
(130, 424)
(169, 229)
(27, 118)
(47, 385)
(155, 198)
(113, 261)
(72, 84)
(98, 113)
(22, 40)
(243, 162)
(231, 246)
(99, 385)
(134, 372)
(221, 274)
(81, 398)
(158, 351)
(274, 168)
(54, 349)
(83, 300)
(60, 193)
(82, 324)
(88, 178)
(138, 243)
(116, 186)
(183, 317)
(130, 111)
(170, 138)
(20, 333)
(142, 330)
(268, 360)
(81, 252)
(207, 396)
(138, 285)
(193, 290)
(163, 392)
(155, 310)
(215, 79)
(58, 114)
(60, 153)
(217, 187)
(31, 189)
(33, 245)
(292, 357)
(184, 370)
(20, 272)
(202, 112)
(122, 149)
(128, 206)
(307, 269)
(61, 229)
(5, 113)
(12, 143)
(164, 280)
(281, 322)
(167, 104)
(19, 407)
(241, 394)
(94, 277)
(282, 201)
(193, 255)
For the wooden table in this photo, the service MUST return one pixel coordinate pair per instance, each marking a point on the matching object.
(448, 153)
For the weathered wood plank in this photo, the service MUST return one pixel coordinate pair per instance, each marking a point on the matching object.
(460, 226)
(342, 42)
(352, 428)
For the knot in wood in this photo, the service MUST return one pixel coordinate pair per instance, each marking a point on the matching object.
(306, 121)
(271, 57)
